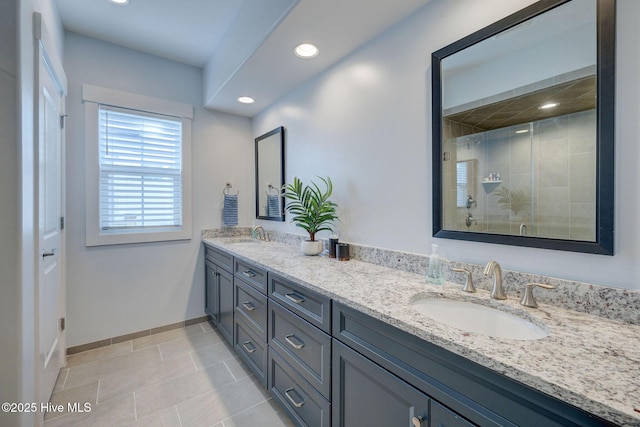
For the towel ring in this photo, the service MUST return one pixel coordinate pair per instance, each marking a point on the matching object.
(271, 189)
(227, 188)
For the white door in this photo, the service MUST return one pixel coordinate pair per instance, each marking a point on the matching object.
(50, 284)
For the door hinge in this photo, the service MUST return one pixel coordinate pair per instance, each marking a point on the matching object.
(61, 223)
(62, 116)
(62, 324)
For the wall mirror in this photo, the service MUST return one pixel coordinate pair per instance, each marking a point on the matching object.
(270, 175)
(523, 130)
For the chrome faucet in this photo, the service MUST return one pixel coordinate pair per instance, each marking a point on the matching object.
(259, 232)
(498, 291)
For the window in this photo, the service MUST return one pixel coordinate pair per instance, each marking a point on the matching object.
(138, 175)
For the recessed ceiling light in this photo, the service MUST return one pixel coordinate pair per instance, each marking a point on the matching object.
(120, 2)
(549, 105)
(306, 50)
(246, 100)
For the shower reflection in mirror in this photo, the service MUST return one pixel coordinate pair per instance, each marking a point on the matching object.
(535, 179)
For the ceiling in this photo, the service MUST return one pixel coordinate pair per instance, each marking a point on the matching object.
(244, 46)
(571, 97)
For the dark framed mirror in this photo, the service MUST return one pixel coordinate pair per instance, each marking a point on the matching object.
(523, 123)
(270, 175)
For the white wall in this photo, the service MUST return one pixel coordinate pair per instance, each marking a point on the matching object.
(115, 290)
(367, 124)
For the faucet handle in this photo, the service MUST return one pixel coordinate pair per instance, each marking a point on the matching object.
(468, 286)
(528, 299)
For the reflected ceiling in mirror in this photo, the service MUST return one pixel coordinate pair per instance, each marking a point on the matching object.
(528, 101)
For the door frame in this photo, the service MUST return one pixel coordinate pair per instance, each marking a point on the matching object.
(44, 47)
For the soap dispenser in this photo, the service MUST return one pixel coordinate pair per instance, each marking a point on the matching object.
(435, 275)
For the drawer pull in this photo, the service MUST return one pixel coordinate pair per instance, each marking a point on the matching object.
(288, 339)
(292, 296)
(246, 345)
(250, 273)
(249, 305)
(287, 393)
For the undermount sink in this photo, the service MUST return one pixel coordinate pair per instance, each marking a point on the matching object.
(480, 319)
(243, 240)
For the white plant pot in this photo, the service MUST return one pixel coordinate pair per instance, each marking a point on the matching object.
(311, 248)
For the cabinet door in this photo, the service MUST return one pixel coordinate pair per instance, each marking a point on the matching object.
(367, 395)
(225, 325)
(212, 293)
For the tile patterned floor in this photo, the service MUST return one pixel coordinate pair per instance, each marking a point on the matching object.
(183, 377)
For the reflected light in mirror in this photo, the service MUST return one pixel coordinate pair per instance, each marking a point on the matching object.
(549, 105)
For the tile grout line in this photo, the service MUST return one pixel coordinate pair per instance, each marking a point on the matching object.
(178, 413)
(228, 369)
(135, 409)
(64, 383)
(160, 351)
(193, 361)
(245, 410)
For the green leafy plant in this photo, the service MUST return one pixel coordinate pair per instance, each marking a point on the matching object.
(310, 206)
(518, 201)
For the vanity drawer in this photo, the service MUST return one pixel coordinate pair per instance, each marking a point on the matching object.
(223, 259)
(252, 306)
(311, 306)
(254, 276)
(304, 346)
(300, 400)
(251, 349)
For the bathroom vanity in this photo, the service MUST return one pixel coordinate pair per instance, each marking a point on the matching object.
(338, 343)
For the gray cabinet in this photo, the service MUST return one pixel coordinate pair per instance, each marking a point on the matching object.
(225, 325)
(462, 392)
(212, 293)
(302, 402)
(367, 395)
(219, 290)
(328, 364)
(304, 346)
(300, 351)
(251, 348)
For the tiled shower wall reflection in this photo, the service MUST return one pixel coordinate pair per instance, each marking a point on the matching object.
(547, 177)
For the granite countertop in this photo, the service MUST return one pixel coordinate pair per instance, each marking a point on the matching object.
(590, 362)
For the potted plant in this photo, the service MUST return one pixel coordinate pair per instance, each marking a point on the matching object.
(311, 209)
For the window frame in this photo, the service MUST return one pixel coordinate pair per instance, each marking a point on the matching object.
(93, 97)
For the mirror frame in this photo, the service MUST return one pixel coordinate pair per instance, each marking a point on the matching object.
(604, 242)
(278, 130)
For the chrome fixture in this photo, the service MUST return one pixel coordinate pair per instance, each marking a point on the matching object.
(493, 268)
(258, 232)
(470, 220)
(468, 285)
(527, 299)
(523, 229)
(471, 202)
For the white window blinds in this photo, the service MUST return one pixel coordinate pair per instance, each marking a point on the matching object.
(140, 160)
(462, 175)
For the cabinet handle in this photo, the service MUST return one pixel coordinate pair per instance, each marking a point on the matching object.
(249, 305)
(417, 421)
(292, 296)
(250, 273)
(247, 349)
(291, 399)
(288, 339)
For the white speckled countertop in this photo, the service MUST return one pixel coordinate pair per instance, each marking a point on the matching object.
(590, 362)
